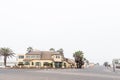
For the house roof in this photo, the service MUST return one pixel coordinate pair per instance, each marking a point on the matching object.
(45, 55)
(70, 61)
(34, 53)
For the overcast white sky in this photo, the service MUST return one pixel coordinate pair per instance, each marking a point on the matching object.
(91, 26)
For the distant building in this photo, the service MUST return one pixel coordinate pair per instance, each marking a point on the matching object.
(116, 62)
(44, 59)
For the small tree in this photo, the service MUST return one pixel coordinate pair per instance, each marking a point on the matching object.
(6, 53)
(79, 58)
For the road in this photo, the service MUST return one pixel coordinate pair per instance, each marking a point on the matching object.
(96, 73)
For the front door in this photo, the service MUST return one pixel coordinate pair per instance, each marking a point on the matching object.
(58, 64)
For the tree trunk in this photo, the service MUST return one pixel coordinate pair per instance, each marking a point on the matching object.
(80, 65)
(5, 58)
(77, 65)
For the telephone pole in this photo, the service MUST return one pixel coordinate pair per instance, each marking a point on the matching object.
(113, 62)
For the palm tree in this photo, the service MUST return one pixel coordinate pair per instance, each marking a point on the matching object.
(29, 49)
(79, 56)
(6, 53)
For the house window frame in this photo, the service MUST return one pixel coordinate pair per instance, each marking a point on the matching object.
(21, 57)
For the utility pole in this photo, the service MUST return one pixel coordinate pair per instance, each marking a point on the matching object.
(39, 62)
(113, 62)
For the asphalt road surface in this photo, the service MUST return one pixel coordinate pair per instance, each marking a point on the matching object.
(96, 73)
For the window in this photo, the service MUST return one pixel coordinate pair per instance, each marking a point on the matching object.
(28, 57)
(58, 64)
(21, 57)
(57, 56)
(38, 56)
(38, 63)
(32, 63)
(33, 56)
(46, 64)
(27, 63)
(20, 63)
